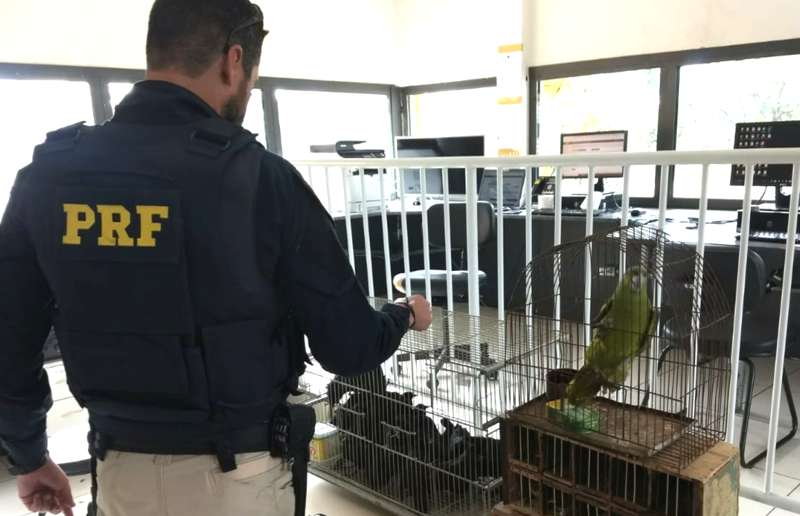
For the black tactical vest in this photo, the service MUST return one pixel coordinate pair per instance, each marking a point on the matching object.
(167, 323)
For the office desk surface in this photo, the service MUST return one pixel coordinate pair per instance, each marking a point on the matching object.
(680, 225)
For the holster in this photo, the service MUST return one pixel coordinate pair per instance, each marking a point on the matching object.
(292, 431)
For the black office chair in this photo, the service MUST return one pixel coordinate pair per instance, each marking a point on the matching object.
(458, 244)
(759, 331)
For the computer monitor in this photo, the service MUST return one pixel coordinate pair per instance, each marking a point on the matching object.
(601, 141)
(765, 135)
(439, 147)
(513, 185)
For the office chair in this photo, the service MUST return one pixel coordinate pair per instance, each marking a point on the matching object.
(759, 332)
(458, 244)
(755, 344)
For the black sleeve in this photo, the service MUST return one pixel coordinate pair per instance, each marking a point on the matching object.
(346, 335)
(25, 318)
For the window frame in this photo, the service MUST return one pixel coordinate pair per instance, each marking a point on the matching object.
(407, 91)
(670, 64)
(270, 85)
(99, 78)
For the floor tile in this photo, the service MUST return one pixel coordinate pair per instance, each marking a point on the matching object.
(67, 426)
(795, 495)
(754, 478)
(58, 381)
(749, 507)
(787, 460)
(335, 501)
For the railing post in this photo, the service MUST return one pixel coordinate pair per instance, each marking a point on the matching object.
(448, 240)
(426, 247)
(501, 290)
(365, 226)
(783, 324)
(738, 307)
(697, 298)
(587, 273)
(347, 217)
(472, 241)
(387, 252)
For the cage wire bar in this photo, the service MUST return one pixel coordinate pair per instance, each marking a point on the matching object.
(662, 159)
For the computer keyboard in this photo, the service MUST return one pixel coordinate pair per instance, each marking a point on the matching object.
(770, 236)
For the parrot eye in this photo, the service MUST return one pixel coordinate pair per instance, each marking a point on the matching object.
(636, 282)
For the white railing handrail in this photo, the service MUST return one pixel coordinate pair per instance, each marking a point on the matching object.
(787, 156)
(747, 157)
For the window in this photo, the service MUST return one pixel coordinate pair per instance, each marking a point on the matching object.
(254, 117)
(31, 108)
(117, 92)
(713, 97)
(323, 118)
(452, 113)
(603, 102)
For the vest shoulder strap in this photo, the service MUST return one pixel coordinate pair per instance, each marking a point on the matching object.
(63, 139)
(212, 137)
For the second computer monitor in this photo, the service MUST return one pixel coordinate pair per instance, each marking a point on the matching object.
(513, 186)
(603, 141)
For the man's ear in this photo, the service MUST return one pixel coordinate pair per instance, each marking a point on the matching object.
(232, 65)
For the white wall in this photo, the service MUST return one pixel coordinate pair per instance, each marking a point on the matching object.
(346, 40)
(71, 32)
(449, 40)
(404, 41)
(350, 40)
(562, 31)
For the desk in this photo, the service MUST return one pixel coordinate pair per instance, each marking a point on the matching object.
(720, 235)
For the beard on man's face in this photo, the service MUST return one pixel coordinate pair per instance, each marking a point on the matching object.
(235, 108)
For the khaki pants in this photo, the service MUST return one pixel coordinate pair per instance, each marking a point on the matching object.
(134, 484)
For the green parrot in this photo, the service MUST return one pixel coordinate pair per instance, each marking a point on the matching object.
(620, 332)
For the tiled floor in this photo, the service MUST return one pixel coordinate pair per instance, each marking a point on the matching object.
(66, 424)
(787, 464)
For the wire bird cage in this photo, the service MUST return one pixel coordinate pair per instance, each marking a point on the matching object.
(637, 359)
(422, 431)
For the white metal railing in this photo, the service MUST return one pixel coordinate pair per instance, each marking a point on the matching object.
(664, 159)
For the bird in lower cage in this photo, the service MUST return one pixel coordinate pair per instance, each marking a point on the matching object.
(384, 436)
(620, 332)
(469, 457)
(415, 438)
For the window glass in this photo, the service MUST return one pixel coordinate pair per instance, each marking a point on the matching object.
(602, 102)
(117, 92)
(322, 118)
(254, 117)
(713, 97)
(253, 120)
(452, 113)
(30, 109)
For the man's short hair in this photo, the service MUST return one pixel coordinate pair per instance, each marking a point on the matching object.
(189, 35)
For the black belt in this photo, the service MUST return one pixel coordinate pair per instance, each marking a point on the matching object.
(252, 439)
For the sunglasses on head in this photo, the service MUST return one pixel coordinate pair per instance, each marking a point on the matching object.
(256, 19)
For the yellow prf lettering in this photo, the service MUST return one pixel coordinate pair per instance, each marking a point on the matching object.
(80, 217)
(148, 226)
(114, 222)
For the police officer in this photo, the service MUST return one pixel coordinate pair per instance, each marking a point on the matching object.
(180, 264)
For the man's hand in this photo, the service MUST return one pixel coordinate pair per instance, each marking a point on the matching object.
(46, 490)
(421, 312)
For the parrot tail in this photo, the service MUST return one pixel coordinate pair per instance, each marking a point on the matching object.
(586, 384)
